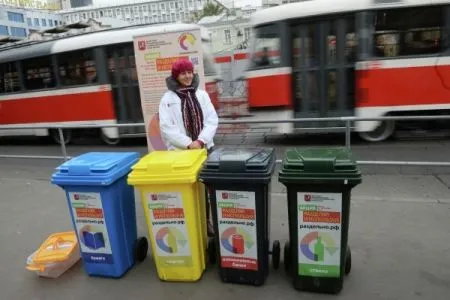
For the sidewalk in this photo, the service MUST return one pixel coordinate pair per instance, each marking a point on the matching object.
(398, 233)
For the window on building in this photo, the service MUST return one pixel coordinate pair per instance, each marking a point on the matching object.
(163, 7)
(9, 78)
(4, 30)
(50, 22)
(38, 73)
(101, 13)
(16, 17)
(29, 22)
(77, 68)
(44, 22)
(227, 36)
(172, 5)
(408, 31)
(247, 34)
(18, 31)
(36, 22)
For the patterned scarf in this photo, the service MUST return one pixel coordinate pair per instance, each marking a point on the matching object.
(192, 111)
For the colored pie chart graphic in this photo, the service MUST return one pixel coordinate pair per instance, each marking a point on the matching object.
(236, 240)
(154, 134)
(168, 239)
(314, 244)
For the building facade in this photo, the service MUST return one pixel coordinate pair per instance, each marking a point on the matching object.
(16, 23)
(229, 31)
(148, 12)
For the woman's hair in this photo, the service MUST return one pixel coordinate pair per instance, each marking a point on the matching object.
(180, 66)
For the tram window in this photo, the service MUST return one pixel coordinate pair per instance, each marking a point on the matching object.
(38, 73)
(351, 40)
(9, 78)
(331, 53)
(266, 51)
(77, 68)
(411, 31)
(132, 66)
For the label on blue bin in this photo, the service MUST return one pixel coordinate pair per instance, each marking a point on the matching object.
(90, 224)
(169, 227)
(319, 234)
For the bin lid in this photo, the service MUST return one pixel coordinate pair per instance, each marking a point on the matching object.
(311, 164)
(239, 164)
(57, 247)
(168, 167)
(95, 168)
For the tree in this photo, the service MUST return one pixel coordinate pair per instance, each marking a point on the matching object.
(210, 9)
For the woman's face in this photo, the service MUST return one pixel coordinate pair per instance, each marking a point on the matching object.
(185, 78)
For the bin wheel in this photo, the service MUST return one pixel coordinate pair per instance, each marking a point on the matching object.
(287, 257)
(141, 250)
(348, 261)
(211, 251)
(276, 249)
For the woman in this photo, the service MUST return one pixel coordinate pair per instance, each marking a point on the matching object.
(187, 118)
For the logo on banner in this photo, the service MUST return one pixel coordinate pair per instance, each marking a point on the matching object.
(142, 45)
(185, 40)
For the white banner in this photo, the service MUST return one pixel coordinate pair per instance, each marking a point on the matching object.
(155, 54)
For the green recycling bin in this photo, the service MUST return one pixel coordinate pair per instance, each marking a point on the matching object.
(319, 183)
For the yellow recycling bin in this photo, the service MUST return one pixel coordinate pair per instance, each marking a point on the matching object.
(174, 205)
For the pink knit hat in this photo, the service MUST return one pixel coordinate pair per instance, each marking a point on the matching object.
(180, 66)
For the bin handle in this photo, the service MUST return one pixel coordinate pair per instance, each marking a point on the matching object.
(56, 244)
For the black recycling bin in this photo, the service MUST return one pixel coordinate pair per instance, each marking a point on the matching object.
(239, 185)
(319, 184)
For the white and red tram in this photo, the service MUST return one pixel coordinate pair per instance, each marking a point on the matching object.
(88, 78)
(365, 58)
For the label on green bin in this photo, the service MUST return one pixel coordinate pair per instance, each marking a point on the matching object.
(170, 229)
(319, 234)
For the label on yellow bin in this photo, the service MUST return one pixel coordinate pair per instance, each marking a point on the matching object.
(170, 229)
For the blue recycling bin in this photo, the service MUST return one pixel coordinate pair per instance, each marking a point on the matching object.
(102, 207)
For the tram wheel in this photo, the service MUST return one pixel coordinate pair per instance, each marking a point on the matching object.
(109, 141)
(381, 133)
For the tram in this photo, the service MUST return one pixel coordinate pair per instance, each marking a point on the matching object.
(88, 78)
(365, 58)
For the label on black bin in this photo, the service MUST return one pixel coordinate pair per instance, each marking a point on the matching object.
(236, 217)
(319, 234)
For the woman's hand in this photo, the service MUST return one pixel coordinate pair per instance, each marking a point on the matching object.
(195, 145)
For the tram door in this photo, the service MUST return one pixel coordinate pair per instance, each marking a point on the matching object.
(125, 87)
(323, 56)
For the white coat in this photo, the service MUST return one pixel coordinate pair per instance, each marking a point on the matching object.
(171, 122)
